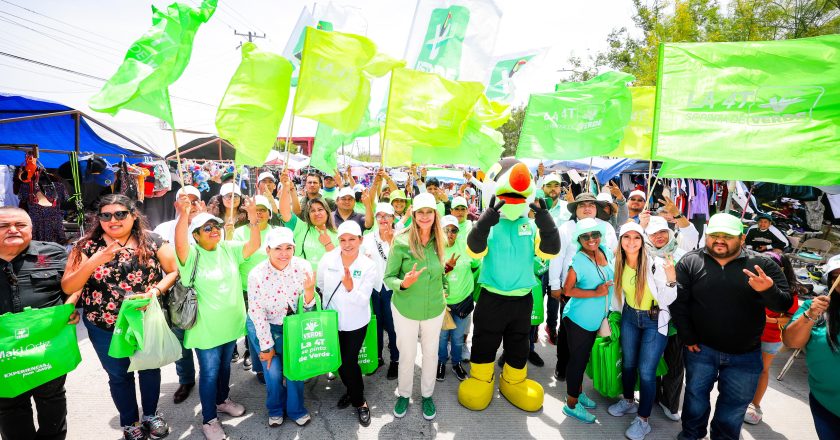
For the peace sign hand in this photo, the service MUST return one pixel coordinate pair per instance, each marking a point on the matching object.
(411, 276)
(323, 237)
(760, 282)
(450, 264)
(670, 271)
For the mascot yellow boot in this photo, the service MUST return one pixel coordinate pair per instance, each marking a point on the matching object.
(522, 392)
(476, 391)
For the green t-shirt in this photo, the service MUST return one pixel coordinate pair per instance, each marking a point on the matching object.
(508, 266)
(243, 234)
(307, 245)
(359, 207)
(221, 306)
(423, 299)
(822, 365)
(128, 330)
(460, 278)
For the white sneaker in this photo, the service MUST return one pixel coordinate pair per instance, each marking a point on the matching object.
(303, 421)
(638, 429)
(231, 408)
(753, 415)
(213, 430)
(623, 407)
(671, 416)
(275, 421)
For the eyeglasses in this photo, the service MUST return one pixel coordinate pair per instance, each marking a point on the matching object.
(210, 227)
(230, 196)
(383, 217)
(636, 199)
(590, 236)
(119, 215)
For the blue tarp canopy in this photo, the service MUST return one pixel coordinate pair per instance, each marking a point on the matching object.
(49, 133)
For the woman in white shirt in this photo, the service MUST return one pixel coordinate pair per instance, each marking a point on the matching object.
(376, 246)
(273, 289)
(346, 279)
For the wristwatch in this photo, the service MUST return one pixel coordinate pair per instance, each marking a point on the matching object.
(671, 284)
(678, 216)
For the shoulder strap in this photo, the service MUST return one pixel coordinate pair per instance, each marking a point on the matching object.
(332, 295)
(195, 268)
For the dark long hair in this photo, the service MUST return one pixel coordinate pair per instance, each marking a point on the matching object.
(139, 230)
(217, 208)
(330, 225)
(833, 319)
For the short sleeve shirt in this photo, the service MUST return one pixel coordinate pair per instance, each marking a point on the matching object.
(37, 272)
(589, 312)
(307, 245)
(822, 365)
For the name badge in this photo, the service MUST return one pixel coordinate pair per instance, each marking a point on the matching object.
(357, 273)
(525, 229)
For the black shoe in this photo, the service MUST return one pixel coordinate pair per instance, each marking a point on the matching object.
(552, 335)
(246, 363)
(559, 375)
(364, 415)
(235, 358)
(459, 372)
(441, 372)
(182, 392)
(343, 402)
(393, 370)
(501, 360)
(535, 359)
(261, 377)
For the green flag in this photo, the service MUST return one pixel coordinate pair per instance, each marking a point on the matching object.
(581, 119)
(252, 108)
(760, 111)
(154, 62)
(329, 141)
(638, 134)
(333, 87)
(481, 146)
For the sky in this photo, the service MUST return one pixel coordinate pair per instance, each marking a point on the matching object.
(91, 37)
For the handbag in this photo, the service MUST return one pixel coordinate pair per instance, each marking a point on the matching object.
(310, 342)
(605, 330)
(369, 354)
(463, 308)
(448, 322)
(183, 305)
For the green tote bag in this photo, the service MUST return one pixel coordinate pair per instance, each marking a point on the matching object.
(369, 354)
(310, 342)
(36, 346)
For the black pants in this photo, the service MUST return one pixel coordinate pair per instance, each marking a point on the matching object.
(51, 403)
(349, 371)
(580, 348)
(669, 387)
(497, 319)
(562, 342)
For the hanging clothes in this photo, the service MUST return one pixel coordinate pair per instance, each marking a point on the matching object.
(43, 201)
(7, 191)
(699, 203)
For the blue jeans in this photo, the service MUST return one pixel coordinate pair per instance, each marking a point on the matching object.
(121, 381)
(826, 422)
(185, 367)
(642, 346)
(456, 335)
(737, 378)
(253, 345)
(281, 398)
(381, 300)
(213, 377)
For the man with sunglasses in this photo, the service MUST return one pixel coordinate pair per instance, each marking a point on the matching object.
(32, 272)
(636, 204)
(722, 292)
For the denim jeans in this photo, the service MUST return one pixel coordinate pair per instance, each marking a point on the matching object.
(121, 381)
(737, 378)
(213, 377)
(381, 300)
(456, 336)
(281, 398)
(185, 367)
(642, 346)
(826, 422)
(253, 345)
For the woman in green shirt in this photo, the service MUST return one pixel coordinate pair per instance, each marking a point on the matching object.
(315, 235)
(415, 273)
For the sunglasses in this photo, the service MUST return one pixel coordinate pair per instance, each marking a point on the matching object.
(636, 199)
(590, 236)
(230, 196)
(119, 215)
(451, 231)
(210, 227)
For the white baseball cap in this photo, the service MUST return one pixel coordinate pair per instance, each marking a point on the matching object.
(279, 236)
(553, 177)
(230, 188)
(202, 218)
(459, 201)
(384, 208)
(358, 188)
(639, 193)
(266, 175)
(656, 224)
(349, 227)
(449, 220)
(631, 226)
(605, 197)
(263, 201)
(423, 200)
(345, 192)
(188, 190)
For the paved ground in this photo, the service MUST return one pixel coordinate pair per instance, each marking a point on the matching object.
(93, 415)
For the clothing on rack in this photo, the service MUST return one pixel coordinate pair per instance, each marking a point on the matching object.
(43, 201)
(7, 192)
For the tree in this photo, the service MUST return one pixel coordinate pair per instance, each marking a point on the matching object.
(510, 130)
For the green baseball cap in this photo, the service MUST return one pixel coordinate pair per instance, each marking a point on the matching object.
(726, 224)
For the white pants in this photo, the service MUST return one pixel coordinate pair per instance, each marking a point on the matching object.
(407, 332)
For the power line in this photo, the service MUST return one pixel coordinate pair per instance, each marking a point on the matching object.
(59, 21)
(97, 43)
(75, 46)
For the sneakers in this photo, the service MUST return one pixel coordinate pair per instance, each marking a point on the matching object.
(587, 403)
(441, 372)
(623, 407)
(401, 407)
(429, 411)
(458, 369)
(393, 370)
(753, 415)
(343, 402)
(213, 430)
(671, 416)
(579, 412)
(535, 359)
(261, 377)
(235, 358)
(465, 354)
(303, 421)
(364, 415)
(246, 364)
(134, 432)
(231, 408)
(155, 426)
(638, 429)
(275, 421)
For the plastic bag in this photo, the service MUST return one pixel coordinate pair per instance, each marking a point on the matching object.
(160, 345)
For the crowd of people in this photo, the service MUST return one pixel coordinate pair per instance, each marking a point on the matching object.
(715, 309)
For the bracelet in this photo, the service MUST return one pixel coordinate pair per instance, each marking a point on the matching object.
(159, 292)
(805, 314)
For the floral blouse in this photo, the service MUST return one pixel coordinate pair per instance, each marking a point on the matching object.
(110, 283)
(273, 294)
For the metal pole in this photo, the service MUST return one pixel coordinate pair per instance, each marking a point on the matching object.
(41, 116)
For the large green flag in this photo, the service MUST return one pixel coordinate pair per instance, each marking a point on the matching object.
(154, 62)
(581, 119)
(481, 146)
(329, 141)
(759, 111)
(638, 135)
(252, 109)
(334, 88)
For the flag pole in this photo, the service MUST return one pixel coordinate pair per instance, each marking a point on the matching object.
(650, 185)
(289, 139)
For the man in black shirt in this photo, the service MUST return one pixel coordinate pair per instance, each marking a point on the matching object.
(719, 314)
(763, 236)
(32, 272)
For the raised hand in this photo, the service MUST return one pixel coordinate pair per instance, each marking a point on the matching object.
(411, 276)
(670, 207)
(347, 280)
(323, 237)
(491, 215)
(106, 254)
(538, 206)
(818, 306)
(250, 208)
(670, 271)
(603, 289)
(229, 227)
(760, 281)
(644, 219)
(308, 282)
(183, 206)
(615, 191)
(540, 170)
(453, 260)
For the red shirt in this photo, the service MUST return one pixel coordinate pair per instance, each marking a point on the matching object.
(772, 332)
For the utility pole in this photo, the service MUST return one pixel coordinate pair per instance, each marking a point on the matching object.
(250, 35)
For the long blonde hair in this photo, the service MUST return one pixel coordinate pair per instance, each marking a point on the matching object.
(641, 272)
(414, 242)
